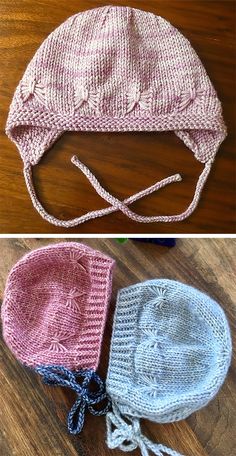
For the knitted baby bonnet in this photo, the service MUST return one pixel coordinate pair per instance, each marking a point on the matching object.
(170, 353)
(115, 68)
(53, 314)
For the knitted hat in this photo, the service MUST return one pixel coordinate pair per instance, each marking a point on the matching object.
(115, 69)
(53, 314)
(170, 353)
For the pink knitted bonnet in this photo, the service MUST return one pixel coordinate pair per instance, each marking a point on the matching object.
(115, 68)
(54, 313)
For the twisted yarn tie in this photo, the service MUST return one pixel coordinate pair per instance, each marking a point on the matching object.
(115, 203)
(111, 199)
(61, 376)
(131, 433)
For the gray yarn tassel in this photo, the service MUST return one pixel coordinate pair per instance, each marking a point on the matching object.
(131, 432)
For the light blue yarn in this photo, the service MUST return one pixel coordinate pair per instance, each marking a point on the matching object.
(170, 353)
(128, 436)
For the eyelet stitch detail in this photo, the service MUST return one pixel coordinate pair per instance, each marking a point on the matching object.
(189, 96)
(34, 88)
(150, 386)
(159, 296)
(72, 302)
(137, 97)
(75, 258)
(56, 342)
(153, 338)
(83, 95)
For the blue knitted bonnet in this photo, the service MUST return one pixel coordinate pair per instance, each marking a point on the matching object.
(170, 353)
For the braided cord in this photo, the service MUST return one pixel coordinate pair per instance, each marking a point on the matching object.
(146, 219)
(116, 204)
(61, 376)
(126, 435)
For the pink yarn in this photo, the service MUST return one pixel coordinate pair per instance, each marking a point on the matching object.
(55, 306)
(115, 69)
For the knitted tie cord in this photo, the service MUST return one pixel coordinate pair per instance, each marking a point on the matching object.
(170, 353)
(54, 313)
(115, 69)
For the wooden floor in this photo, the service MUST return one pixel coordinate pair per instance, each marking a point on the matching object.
(124, 163)
(32, 415)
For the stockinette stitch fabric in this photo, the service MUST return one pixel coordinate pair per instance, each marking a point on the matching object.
(53, 314)
(117, 69)
(170, 353)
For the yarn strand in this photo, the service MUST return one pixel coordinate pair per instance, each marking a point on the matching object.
(61, 376)
(93, 214)
(115, 203)
(146, 219)
(128, 436)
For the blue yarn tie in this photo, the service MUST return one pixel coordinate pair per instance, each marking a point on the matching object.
(61, 376)
(125, 433)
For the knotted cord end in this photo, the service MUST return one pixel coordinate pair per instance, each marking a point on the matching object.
(178, 178)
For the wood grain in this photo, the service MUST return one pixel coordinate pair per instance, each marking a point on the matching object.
(128, 162)
(33, 415)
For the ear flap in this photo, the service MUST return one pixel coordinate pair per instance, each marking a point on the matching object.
(32, 141)
(203, 143)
